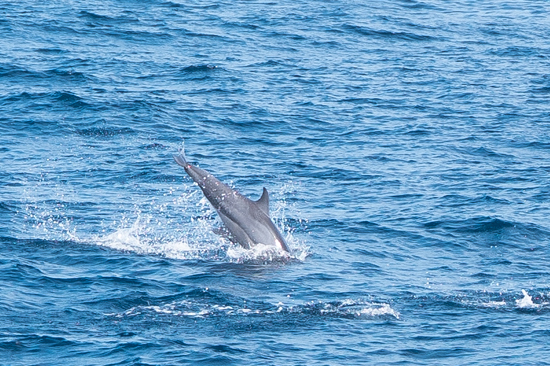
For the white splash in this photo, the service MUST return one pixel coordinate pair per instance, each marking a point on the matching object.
(126, 239)
(526, 302)
(160, 232)
(199, 242)
(180, 223)
(258, 253)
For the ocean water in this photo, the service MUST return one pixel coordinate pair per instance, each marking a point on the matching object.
(405, 145)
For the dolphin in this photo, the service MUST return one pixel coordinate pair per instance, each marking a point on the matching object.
(247, 221)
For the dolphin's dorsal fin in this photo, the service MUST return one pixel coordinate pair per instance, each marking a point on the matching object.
(263, 202)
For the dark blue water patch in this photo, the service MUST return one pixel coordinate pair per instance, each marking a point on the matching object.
(217, 91)
(221, 348)
(541, 196)
(483, 152)
(420, 5)
(121, 299)
(205, 36)
(456, 200)
(199, 69)
(70, 99)
(474, 225)
(372, 101)
(138, 37)
(437, 354)
(277, 64)
(199, 72)
(68, 75)
(14, 74)
(541, 90)
(54, 27)
(174, 5)
(492, 231)
(8, 207)
(535, 145)
(517, 51)
(21, 126)
(104, 131)
(387, 35)
(542, 80)
(154, 146)
(59, 252)
(51, 51)
(242, 25)
(9, 71)
(368, 268)
(286, 35)
(59, 100)
(34, 343)
(335, 172)
(105, 20)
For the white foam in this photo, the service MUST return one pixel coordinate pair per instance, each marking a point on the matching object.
(196, 309)
(494, 304)
(258, 253)
(380, 310)
(124, 238)
(355, 308)
(526, 302)
(369, 309)
(146, 236)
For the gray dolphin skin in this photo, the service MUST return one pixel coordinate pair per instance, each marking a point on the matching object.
(247, 221)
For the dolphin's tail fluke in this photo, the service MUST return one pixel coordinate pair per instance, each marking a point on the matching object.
(181, 159)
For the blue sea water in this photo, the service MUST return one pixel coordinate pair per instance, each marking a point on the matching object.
(405, 145)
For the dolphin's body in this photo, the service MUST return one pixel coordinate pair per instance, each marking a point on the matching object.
(247, 221)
